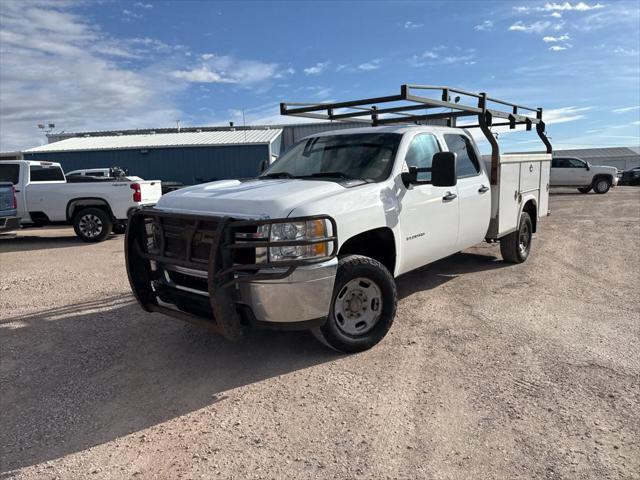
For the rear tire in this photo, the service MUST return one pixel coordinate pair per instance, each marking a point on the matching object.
(363, 305)
(601, 185)
(516, 246)
(584, 189)
(92, 224)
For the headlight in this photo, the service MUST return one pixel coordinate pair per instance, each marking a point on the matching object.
(308, 230)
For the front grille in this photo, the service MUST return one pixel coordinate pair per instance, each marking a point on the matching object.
(184, 239)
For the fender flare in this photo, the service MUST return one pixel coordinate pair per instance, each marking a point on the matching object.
(91, 202)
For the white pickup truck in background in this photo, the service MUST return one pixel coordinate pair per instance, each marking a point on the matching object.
(575, 172)
(316, 240)
(95, 209)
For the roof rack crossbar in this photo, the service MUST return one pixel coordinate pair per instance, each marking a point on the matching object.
(324, 106)
(412, 102)
(365, 107)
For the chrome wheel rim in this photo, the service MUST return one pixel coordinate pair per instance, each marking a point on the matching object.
(524, 239)
(358, 306)
(90, 225)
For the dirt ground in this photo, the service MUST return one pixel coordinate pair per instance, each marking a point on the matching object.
(490, 370)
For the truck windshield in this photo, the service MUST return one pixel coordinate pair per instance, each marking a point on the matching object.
(363, 156)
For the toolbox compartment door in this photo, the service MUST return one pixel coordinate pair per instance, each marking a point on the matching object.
(519, 176)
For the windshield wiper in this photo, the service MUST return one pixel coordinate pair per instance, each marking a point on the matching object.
(277, 175)
(330, 174)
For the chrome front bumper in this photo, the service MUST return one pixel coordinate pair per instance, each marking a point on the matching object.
(304, 295)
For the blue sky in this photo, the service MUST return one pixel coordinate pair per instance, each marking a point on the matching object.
(95, 65)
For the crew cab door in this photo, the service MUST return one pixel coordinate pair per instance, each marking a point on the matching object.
(16, 174)
(474, 195)
(46, 192)
(428, 214)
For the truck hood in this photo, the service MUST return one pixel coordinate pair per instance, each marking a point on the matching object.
(269, 198)
(604, 169)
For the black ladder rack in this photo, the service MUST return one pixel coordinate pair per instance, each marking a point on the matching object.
(405, 107)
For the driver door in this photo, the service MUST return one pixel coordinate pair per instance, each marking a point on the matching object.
(579, 172)
(429, 215)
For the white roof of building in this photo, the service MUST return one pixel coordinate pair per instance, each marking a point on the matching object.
(159, 140)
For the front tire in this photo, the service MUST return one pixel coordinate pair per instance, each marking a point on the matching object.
(92, 224)
(602, 185)
(516, 246)
(363, 305)
(584, 189)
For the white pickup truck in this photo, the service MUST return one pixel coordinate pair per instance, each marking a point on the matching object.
(575, 172)
(95, 209)
(316, 240)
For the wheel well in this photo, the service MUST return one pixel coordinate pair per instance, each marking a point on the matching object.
(602, 175)
(532, 210)
(378, 244)
(74, 206)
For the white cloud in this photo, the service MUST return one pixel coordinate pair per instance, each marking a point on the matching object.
(438, 55)
(207, 56)
(56, 66)
(228, 69)
(636, 123)
(626, 109)
(564, 114)
(285, 72)
(201, 74)
(467, 59)
(626, 52)
(536, 27)
(556, 8)
(409, 25)
(487, 25)
(372, 65)
(143, 5)
(129, 15)
(316, 69)
(561, 38)
(567, 6)
(556, 15)
(557, 48)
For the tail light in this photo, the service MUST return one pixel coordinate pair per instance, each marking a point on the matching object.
(137, 192)
(15, 200)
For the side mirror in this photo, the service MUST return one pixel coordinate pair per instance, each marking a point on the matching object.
(443, 170)
(410, 177)
(588, 166)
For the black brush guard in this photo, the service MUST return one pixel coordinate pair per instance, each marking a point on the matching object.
(157, 239)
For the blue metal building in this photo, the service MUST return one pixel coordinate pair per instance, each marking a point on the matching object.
(188, 157)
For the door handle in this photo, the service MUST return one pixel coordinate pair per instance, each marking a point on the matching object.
(449, 196)
(17, 191)
(483, 189)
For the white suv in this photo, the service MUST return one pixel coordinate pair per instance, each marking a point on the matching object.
(574, 172)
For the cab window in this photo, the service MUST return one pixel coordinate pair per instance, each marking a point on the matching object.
(467, 163)
(10, 173)
(575, 163)
(45, 173)
(420, 154)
